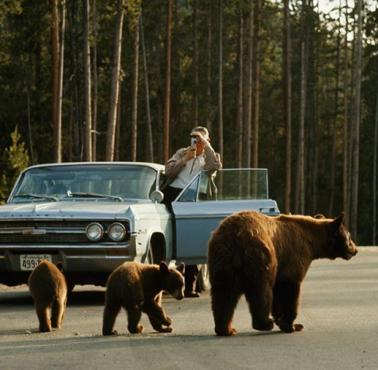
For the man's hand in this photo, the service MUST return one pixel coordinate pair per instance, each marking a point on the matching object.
(201, 139)
(189, 154)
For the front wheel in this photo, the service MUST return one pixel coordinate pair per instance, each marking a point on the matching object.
(203, 280)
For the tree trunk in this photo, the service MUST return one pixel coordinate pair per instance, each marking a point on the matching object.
(346, 172)
(220, 87)
(61, 72)
(112, 116)
(209, 69)
(300, 185)
(134, 120)
(57, 130)
(150, 140)
(374, 232)
(356, 122)
(195, 62)
(75, 133)
(87, 84)
(94, 80)
(335, 122)
(256, 80)
(167, 90)
(249, 90)
(239, 117)
(117, 141)
(287, 101)
(30, 136)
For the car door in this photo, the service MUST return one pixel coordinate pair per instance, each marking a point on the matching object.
(208, 199)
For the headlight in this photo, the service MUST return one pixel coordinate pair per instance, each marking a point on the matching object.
(116, 232)
(94, 231)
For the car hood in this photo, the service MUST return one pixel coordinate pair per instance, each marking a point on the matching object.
(65, 210)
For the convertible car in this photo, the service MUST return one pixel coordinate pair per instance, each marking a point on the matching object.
(88, 218)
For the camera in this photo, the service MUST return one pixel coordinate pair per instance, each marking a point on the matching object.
(193, 141)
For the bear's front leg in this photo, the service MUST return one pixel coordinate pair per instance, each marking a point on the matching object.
(157, 316)
(286, 299)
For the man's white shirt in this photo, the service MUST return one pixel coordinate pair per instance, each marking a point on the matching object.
(190, 170)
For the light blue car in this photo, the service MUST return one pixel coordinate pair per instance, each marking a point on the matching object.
(90, 217)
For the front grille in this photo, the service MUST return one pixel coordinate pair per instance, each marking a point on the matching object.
(50, 231)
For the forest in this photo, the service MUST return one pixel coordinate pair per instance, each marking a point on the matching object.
(287, 85)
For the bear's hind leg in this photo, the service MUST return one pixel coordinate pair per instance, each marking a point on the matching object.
(260, 302)
(43, 317)
(57, 312)
(223, 304)
(134, 314)
(111, 311)
(287, 294)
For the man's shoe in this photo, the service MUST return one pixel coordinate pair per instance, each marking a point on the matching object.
(191, 294)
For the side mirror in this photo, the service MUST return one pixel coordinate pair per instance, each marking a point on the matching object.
(157, 196)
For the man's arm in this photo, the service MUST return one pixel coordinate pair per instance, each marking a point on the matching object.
(212, 159)
(176, 163)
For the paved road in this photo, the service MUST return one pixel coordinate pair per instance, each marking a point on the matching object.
(339, 312)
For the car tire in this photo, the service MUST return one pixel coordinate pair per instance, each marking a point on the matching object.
(203, 280)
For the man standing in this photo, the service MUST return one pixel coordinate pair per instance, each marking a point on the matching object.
(180, 169)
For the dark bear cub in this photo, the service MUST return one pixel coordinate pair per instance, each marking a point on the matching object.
(266, 259)
(138, 288)
(48, 288)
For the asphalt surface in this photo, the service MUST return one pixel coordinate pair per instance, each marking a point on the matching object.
(339, 311)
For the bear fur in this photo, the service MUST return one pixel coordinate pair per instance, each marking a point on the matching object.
(48, 288)
(266, 259)
(138, 288)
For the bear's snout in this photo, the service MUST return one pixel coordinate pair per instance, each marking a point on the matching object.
(351, 251)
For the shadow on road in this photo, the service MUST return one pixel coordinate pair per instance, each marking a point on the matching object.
(143, 341)
(76, 298)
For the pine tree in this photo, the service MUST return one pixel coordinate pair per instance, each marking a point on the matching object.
(16, 159)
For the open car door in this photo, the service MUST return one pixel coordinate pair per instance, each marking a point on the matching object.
(208, 199)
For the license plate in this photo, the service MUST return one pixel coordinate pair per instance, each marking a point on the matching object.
(29, 262)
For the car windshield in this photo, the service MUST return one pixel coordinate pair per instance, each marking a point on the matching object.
(104, 182)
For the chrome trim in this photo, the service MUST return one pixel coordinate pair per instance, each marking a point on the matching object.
(48, 230)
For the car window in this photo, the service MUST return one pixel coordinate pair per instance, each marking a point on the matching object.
(68, 182)
(190, 193)
(228, 184)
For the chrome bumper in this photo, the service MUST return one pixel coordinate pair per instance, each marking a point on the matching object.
(73, 257)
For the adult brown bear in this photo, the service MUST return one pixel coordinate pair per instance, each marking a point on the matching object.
(138, 288)
(266, 259)
(48, 288)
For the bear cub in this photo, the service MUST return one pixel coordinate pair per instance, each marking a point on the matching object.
(48, 288)
(138, 288)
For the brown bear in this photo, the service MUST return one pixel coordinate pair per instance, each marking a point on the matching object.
(138, 288)
(266, 259)
(48, 288)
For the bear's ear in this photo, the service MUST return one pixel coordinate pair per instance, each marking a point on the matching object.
(319, 216)
(163, 267)
(339, 220)
(181, 268)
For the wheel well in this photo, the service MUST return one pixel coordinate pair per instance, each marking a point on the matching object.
(157, 244)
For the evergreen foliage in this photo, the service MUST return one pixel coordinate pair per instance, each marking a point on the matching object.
(26, 88)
